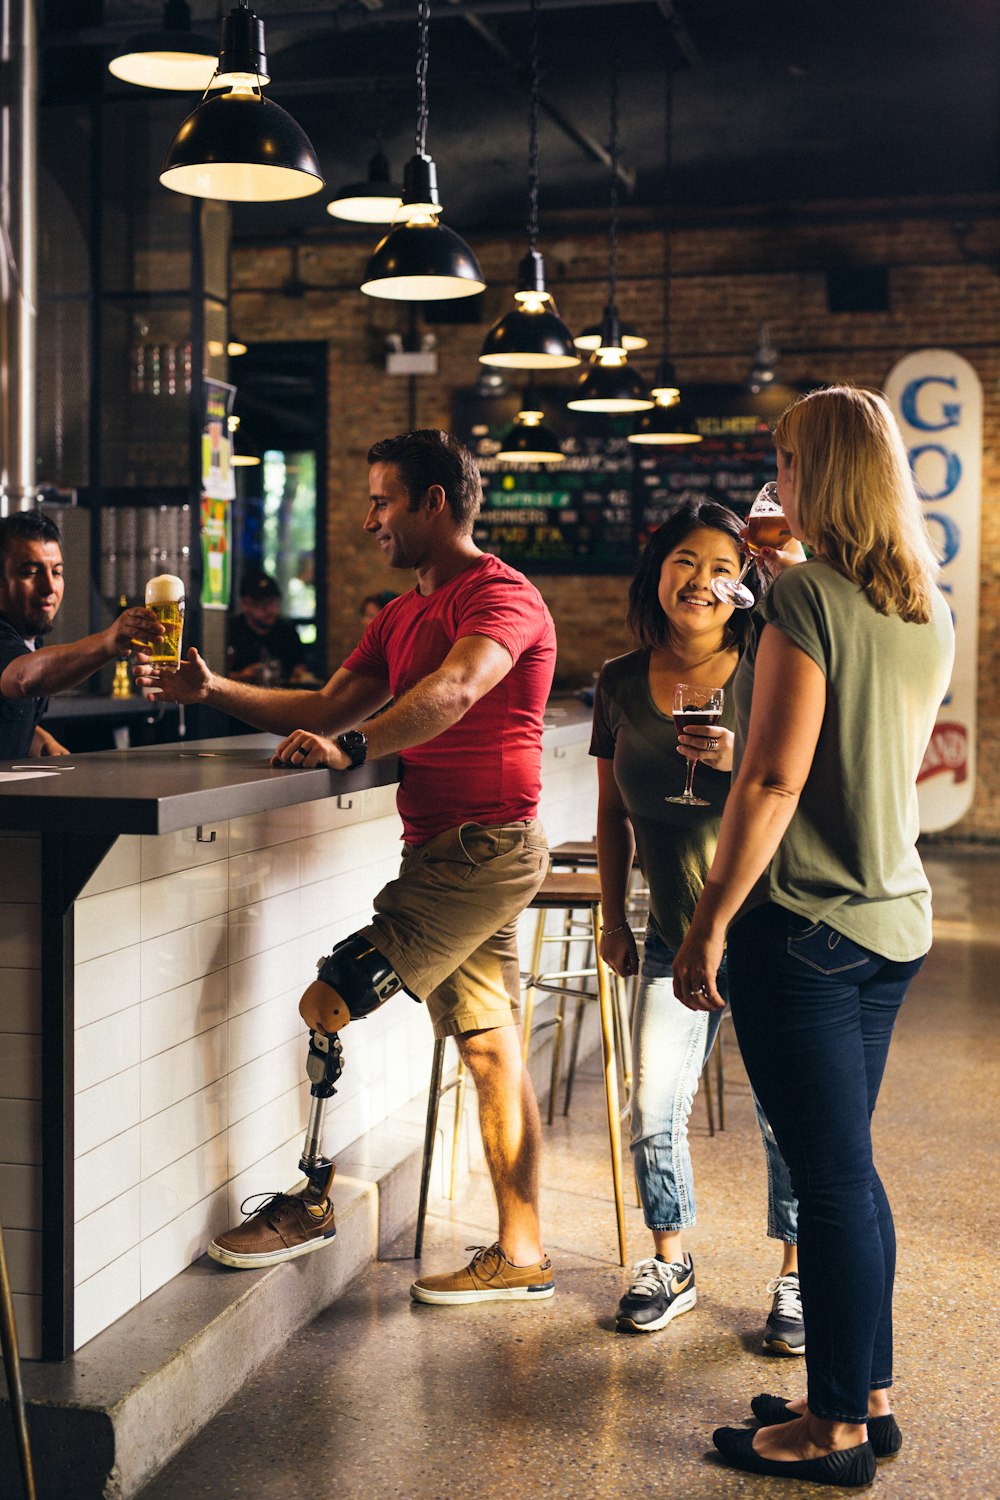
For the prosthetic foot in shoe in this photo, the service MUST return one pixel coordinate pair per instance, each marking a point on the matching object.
(283, 1227)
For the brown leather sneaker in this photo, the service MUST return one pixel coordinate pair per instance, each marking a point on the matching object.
(489, 1277)
(281, 1229)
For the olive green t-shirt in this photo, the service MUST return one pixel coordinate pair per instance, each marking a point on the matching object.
(675, 844)
(849, 855)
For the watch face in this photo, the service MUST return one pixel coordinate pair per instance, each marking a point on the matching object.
(354, 745)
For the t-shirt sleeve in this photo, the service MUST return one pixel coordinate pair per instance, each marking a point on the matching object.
(510, 613)
(602, 737)
(794, 603)
(368, 657)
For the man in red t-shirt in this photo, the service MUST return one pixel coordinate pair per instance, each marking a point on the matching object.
(466, 659)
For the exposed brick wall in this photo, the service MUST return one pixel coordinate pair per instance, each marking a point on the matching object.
(729, 273)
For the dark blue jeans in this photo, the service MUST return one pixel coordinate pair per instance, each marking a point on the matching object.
(814, 1014)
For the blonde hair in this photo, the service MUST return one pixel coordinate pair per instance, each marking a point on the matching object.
(857, 502)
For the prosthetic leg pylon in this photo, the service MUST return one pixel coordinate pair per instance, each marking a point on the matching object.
(324, 1065)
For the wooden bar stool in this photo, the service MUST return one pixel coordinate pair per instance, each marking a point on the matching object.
(573, 893)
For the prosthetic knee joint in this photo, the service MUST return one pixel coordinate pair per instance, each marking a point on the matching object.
(364, 981)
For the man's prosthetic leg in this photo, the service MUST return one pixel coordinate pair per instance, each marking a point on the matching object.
(287, 1225)
(364, 981)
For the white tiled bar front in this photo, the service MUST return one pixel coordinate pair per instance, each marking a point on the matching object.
(191, 951)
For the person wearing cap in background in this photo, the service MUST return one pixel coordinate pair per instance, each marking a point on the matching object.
(264, 647)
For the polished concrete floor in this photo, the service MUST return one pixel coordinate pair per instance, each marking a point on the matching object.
(381, 1398)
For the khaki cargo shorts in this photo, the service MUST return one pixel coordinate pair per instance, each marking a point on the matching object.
(447, 924)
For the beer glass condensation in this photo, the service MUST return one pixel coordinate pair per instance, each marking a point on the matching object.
(165, 599)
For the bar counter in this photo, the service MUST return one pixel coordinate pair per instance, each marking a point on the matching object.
(161, 910)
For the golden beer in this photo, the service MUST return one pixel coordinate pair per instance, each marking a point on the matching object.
(165, 599)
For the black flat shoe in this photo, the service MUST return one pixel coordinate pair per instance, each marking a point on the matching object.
(851, 1467)
(883, 1432)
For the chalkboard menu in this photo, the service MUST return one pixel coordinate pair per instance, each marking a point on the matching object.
(593, 512)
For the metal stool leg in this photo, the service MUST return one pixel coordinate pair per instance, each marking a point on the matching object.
(720, 1080)
(12, 1366)
(557, 1041)
(574, 1053)
(610, 1083)
(528, 1009)
(460, 1079)
(430, 1130)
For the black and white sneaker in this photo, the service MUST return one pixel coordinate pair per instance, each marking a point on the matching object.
(784, 1331)
(660, 1290)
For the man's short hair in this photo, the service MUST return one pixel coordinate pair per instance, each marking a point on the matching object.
(28, 526)
(427, 457)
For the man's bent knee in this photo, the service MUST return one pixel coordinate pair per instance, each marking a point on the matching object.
(354, 980)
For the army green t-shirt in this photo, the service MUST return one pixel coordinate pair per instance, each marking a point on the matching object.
(849, 855)
(675, 844)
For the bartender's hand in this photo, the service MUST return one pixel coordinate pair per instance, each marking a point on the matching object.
(44, 743)
(135, 628)
(306, 751)
(712, 745)
(190, 683)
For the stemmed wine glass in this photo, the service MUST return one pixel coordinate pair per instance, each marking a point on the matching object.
(694, 705)
(766, 527)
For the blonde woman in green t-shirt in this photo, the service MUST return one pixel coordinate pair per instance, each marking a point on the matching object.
(818, 893)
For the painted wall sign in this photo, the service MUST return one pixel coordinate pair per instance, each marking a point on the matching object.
(937, 398)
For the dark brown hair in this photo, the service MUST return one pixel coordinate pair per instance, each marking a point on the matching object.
(429, 456)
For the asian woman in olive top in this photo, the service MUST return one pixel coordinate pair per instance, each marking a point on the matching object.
(687, 635)
(818, 883)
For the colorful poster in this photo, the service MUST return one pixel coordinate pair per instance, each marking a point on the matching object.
(218, 490)
(937, 398)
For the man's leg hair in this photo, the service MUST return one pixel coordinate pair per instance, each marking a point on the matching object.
(364, 980)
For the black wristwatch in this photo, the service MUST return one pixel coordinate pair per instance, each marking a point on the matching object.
(354, 745)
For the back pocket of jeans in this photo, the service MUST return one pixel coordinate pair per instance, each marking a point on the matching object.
(819, 947)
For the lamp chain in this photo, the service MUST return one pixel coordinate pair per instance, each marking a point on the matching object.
(613, 216)
(533, 133)
(668, 161)
(423, 51)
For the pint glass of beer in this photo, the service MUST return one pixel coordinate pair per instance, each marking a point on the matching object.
(165, 599)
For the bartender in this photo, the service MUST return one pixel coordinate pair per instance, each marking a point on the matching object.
(31, 591)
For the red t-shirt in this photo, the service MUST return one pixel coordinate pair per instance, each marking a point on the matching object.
(487, 767)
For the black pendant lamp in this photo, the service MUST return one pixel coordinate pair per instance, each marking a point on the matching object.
(667, 422)
(608, 385)
(532, 336)
(590, 338)
(420, 259)
(529, 441)
(238, 146)
(172, 58)
(377, 200)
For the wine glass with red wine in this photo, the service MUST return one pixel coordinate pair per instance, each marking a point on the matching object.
(694, 706)
(766, 527)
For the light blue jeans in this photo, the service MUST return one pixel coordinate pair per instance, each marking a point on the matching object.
(669, 1046)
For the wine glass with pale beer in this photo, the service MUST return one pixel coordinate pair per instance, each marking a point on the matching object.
(766, 527)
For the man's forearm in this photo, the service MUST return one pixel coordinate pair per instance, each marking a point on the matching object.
(54, 669)
(278, 710)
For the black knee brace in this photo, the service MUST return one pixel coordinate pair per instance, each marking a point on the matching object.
(360, 975)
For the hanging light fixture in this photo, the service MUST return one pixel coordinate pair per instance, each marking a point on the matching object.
(608, 385)
(532, 336)
(420, 259)
(238, 146)
(375, 201)
(632, 339)
(762, 374)
(528, 441)
(173, 58)
(667, 422)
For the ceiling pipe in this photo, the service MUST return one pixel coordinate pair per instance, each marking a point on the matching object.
(18, 254)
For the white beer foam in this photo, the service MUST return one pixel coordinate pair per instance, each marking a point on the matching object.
(165, 589)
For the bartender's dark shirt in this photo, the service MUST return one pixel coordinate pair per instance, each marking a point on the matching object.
(247, 647)
(18, 716)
